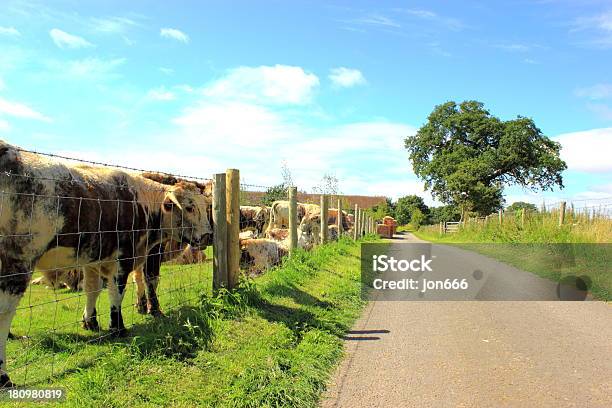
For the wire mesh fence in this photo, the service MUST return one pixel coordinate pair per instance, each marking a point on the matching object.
(75, 229)
(89, 250)
(265, 227)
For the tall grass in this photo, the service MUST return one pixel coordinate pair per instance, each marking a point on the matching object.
(535, 227)
(271, 343)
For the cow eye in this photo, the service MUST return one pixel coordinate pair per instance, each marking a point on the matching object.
(190, 209)
(168, 206)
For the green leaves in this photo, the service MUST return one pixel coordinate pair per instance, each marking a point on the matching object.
(466, 156)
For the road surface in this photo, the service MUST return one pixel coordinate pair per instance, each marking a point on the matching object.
(477, 354)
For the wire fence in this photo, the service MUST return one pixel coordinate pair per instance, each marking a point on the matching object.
(90, 250)
(76, 229)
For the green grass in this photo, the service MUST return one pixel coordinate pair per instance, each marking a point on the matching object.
(539, 245)
(272, 343)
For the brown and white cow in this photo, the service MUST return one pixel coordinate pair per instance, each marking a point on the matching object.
(279, 213)
(333, 216)
(56, 215)
(256, 219)
(260, 254)
(61, 278)
(146, 278)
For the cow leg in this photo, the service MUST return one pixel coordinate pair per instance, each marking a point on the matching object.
(152, 267)
(8, 307)
(14, 279)
(92, 287)
(116, 291)
(141, 297)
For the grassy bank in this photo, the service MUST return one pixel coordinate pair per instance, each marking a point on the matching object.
(581, 247)
(274, 342)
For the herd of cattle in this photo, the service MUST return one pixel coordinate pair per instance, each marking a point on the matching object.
(264, 236)
(85, 227)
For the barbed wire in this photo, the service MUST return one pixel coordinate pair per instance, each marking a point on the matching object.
(103, 164)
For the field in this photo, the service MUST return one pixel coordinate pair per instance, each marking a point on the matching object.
(581, 247)
(273, 342)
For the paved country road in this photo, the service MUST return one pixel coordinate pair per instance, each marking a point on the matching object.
(477, 354)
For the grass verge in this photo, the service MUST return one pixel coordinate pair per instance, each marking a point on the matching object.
(272, 343)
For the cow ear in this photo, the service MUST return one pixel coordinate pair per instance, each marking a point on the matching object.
(172, 201)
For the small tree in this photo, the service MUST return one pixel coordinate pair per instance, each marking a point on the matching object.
(406, 205)
(328, 185)
(417, 219)
(519, 205)
(274, 193)
(382, 210)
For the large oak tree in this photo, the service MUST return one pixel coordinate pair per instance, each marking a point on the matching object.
(466, 156)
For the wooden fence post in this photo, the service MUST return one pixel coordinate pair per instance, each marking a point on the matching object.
(324, 217)
(522, 218)
(356, 222)
(232, 201)
(562, 213)
(339, 219)
(441, 227)
(363, 219)
(293, 219)
(501, 216)
(219, 233)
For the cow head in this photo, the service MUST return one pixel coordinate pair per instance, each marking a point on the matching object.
(309, 231)
(185, 215)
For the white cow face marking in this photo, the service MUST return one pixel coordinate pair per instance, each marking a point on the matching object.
(185, 216)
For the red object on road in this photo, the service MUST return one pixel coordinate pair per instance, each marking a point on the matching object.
(388, 228)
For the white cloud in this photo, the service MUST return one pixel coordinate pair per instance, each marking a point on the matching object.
(232, 125)
(165, 70)
(64, 40)
(278, 84)
(20, 110)
(160, 94)
(346, 77)
(92, 68)
(595, 30)
(514, 47)
(375, 20)
(587, 151)
(448, 22)
(174, 34)
(9, 31)
(254, 137)
(604, 112)
(113, 25)
(4, 126)
(595, 92)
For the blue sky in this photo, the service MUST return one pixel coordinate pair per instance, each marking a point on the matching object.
(195, 87)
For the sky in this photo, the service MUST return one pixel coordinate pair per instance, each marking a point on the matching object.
(195, 87)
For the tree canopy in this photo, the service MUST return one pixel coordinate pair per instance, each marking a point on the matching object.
(444, 213)
(405, 206)
(518, 205)
(466, 156)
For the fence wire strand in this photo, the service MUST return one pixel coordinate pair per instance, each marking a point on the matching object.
(104, 243)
